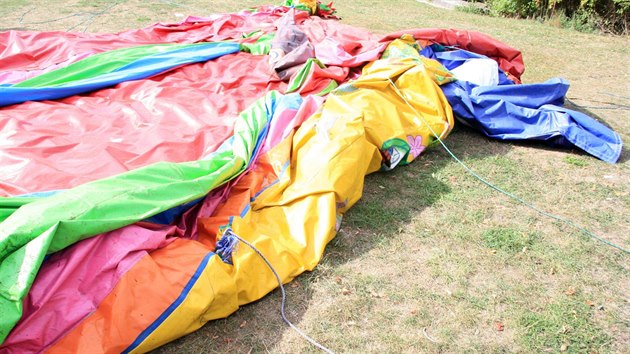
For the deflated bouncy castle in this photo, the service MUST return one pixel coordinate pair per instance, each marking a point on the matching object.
(131, 160)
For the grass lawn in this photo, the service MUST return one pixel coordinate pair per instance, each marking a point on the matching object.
(431, 260)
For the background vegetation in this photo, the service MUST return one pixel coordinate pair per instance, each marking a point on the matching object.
(608, 16)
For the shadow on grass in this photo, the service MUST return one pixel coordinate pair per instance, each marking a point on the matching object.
(391, 200)
(625, 152)
(544, 146)
(625, 155)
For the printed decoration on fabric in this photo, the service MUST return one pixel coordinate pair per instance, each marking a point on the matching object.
(394, 152)
(415, 143)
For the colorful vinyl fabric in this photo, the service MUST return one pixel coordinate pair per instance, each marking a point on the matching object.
(524, 112)
(89, 74)
(118, 203)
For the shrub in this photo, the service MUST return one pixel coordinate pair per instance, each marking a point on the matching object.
(611, 16)
(473, 9)
(513, 8)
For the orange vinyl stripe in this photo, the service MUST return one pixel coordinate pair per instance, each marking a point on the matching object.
(143, 293)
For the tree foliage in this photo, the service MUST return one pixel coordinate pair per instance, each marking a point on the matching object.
(611, 16)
